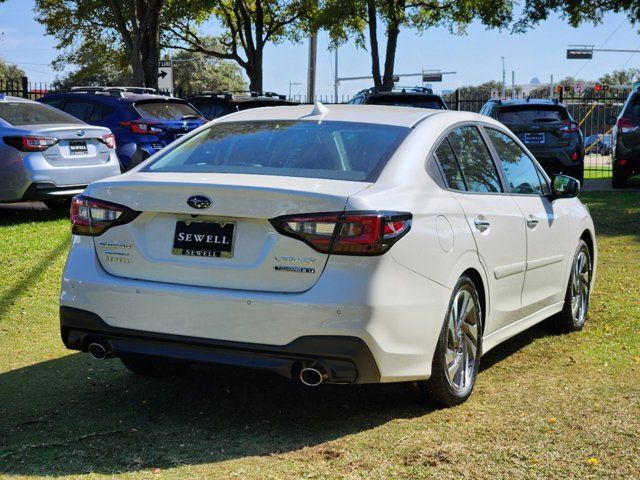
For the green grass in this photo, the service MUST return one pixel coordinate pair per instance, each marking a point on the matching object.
(544, 405)
(596, 173)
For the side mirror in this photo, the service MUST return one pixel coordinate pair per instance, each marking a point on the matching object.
(610, 120)
(564, 186)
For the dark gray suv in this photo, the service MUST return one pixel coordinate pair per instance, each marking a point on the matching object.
(625, 159)
(548, 131)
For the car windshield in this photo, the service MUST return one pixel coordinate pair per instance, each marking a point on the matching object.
(314, 149)
(26, 113)
(418, 101)
(532, 114)
(166, 110)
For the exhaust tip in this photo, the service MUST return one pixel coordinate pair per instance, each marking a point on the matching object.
(312, 377)
(97, 351)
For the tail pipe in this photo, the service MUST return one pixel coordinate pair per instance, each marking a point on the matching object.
(99, 350)
(313, 375)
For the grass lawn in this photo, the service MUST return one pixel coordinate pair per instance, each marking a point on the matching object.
(545, 406)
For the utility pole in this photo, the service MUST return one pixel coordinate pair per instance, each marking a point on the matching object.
(311, 75)
(336, 82)
(504, 79)
(513, 83)
(551, 92)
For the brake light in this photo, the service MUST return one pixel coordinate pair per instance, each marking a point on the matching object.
(30, 143)
(569, 127)
(626, 125)
(142, 127)
(93, 217)
(109, 140)
(348, 233)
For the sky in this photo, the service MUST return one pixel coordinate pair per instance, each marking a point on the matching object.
(475, 56)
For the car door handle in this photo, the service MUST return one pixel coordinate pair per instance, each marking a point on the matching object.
(482, 225)
(532, 222)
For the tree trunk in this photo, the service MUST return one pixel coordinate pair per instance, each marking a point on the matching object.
(137, 65)
(373, 40)
(390, 56)
(254, 72)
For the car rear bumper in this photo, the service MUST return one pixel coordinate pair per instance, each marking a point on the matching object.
(396, 313)
(345, 359)
(555, 160)
(47, 190)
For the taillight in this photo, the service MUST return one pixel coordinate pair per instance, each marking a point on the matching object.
(348, 233)
(142, 127)
(93, 217)
(569, 127)
(109, 140)
(626, 125)
(30, 143)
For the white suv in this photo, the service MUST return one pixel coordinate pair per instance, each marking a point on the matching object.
(342, 244)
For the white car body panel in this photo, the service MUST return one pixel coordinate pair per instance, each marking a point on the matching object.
(395, 303)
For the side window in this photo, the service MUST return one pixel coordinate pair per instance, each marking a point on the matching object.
(519, 169)
(55, 102)
(449, 165)
(83, 110)
(478, 169)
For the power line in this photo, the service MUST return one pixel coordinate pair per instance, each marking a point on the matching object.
(602, 45)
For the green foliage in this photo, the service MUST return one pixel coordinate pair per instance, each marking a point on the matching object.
(621, 77)
(10, 72)
(197, 72)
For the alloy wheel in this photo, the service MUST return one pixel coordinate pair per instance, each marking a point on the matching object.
(462, 342)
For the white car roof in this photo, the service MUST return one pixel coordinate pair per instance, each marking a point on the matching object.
(10, 98)
(378, 114)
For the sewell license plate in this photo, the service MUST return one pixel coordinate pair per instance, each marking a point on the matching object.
(204, 239)
(534, 138)
(78, 147)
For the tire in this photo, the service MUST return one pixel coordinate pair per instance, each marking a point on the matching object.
(58, 204)
(448, 387)
(578, 173)
(618, 179)
(154, 366)
(576, 301)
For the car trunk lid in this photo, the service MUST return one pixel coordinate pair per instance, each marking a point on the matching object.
(77, 144)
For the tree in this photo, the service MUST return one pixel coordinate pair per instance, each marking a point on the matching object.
(131, 25)
(361, 18)
(621, 77)
(575, 12)
(10, 72)
(248, 26)
(197, 72)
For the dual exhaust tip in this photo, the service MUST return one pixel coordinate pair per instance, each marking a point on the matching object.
(311, 376)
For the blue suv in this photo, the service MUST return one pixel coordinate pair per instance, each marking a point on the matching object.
(142, 122)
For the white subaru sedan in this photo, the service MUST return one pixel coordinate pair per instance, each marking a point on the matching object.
(336, 244)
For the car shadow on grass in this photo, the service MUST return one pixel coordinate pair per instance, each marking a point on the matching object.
(74, 415)
(19, 213)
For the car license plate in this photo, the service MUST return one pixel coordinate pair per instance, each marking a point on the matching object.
(534, 138)
(204, 239)
(78, 147)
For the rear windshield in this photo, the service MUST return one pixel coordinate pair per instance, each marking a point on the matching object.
(332, 150)
(532, 114)
(166, 110)
(633, 110)
(24, 113)
(419, 101)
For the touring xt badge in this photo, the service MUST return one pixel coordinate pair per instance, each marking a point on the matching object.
(295, 264)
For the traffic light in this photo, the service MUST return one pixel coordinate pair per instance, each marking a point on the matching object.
(601, 87)
(560, 92)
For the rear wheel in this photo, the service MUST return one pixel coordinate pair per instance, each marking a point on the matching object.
(138, 157)
(457, 356)
(618, 179)
(576, 302)
(58, 204)
(154, 366)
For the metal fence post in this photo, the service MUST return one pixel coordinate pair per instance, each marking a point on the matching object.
(457, 97)
(25, 87)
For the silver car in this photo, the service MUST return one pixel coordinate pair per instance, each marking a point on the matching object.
(48, 155)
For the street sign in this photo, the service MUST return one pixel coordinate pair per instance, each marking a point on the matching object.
(432, 77)
(165, 76)
(579, 53)
(578, 87)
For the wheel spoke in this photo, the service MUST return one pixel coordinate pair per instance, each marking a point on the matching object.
(453, 369)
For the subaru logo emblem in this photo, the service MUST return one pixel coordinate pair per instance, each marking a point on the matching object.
(199, 202)
(80, 133)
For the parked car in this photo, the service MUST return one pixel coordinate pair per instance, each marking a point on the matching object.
(625, 159)
(217, 104)
(143, 123)
(48, 155)
(419, 97)
(547, 129)
(316, 243)
(600, 144)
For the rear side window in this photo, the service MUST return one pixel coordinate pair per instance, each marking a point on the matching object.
(519, 169)
(532, 114)
(331, 150)
(26, 113)
(166, 110)
(449, 166)
(84, 110)
(633, 110)
(478, 169)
